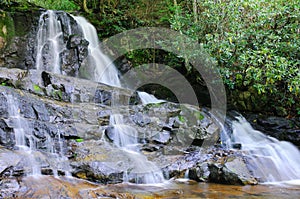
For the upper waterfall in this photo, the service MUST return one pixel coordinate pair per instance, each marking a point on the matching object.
(49, 37)
(103, 70)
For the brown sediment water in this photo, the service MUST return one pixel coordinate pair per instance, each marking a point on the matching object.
(50, 187)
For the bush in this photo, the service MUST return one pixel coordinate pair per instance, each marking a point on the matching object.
(56, 4)
(255, 43)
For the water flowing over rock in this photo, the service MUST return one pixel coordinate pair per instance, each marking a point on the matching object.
(102, 133)
(281, 128)
(60, 46)
(148, 98)
(98, 67)
(65, 122)
(270, 160)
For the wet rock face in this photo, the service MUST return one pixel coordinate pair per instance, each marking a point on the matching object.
(74, 55)
(43, 100)
(213, 165)
(278, 127)
(73, 47)
(19, 38)
(167, 131)
(18, 42)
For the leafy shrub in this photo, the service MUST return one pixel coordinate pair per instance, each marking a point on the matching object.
(255, 43)
(56, 4)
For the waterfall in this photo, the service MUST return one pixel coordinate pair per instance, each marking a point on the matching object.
(147, 98)
(19, 127)
(14, 113)
(126, 138)
(50, 40)
(124, 135)
(104, 70)
(269, 159)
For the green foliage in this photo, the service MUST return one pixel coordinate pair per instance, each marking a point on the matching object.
(67, 5)
(255, 43)
(298, 111)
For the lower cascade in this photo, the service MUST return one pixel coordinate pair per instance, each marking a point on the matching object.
(51, 157)
(270, 160)
(148, 98)
(19, 127)
(126, 138)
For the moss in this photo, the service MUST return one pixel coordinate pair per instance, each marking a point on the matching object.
(181, 118)
(79, 140)
(56, 94)
(7, 30)
(198, 115)
(36, 88)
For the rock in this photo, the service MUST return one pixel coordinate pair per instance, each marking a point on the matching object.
(278, 127)
(237, 145)
(212, 166)
(103, 97)
(20, 39)
(162, 137)
(99, 162)
(141, 119)
(74, 54)
(9, 162)
(234, 171)
(9, 188)
(51, 187)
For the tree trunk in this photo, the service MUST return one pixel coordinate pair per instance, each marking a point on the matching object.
(85, 8)
(101, 7)
(195, 11)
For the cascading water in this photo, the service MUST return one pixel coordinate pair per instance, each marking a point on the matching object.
(56, 159)
(126, 138)
(13, 112)
(269, 159)
(104, 70)
(49, 38)
(19, 126)
(147, 98)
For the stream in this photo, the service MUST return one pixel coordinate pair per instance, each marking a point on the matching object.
(50, 187)
(74, 136)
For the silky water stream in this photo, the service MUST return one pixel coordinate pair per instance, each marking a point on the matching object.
(272, 160)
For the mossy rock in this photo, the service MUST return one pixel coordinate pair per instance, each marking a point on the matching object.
(7, 30)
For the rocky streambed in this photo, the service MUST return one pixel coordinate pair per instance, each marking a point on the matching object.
(69, 117)
(57, 139)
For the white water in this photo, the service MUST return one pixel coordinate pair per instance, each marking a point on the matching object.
(126, 138)
(19, 126)
(147, 98)
(270, 160)
(14, 113)
(104, 70)
(49, 38)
